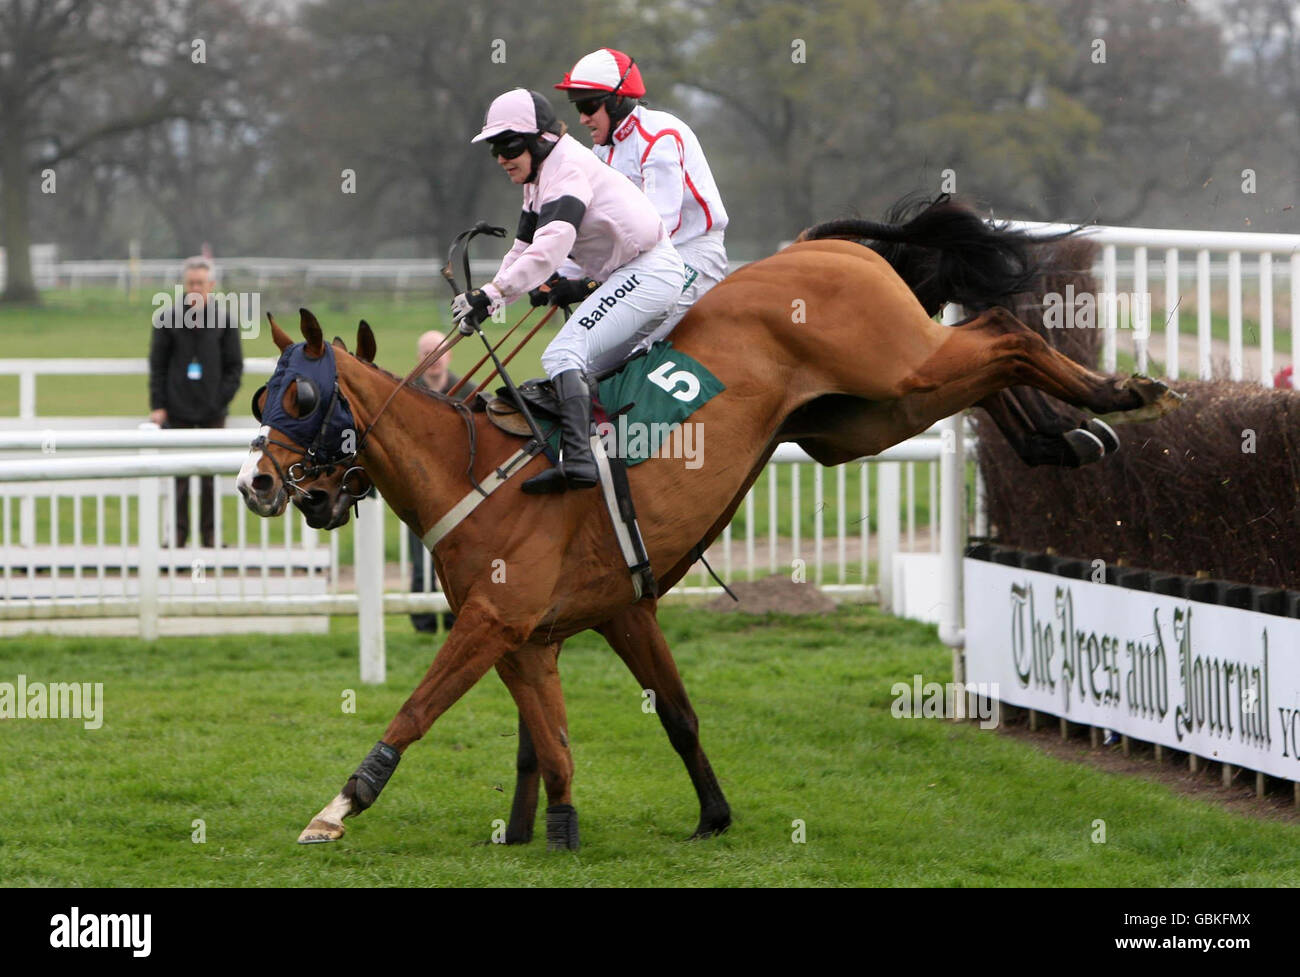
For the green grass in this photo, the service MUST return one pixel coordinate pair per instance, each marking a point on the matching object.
(248, 735)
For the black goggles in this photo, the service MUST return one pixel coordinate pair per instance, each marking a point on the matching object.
(510, 148)
(589, 106)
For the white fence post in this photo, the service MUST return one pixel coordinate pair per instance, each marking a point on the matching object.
(27, 521)
(1235, 357)
(27, 412)
(952, 528)
(1173, 289)
(150, 568)
(27, 395)
(1204, 368)
(1109, 309)
(149, 558)
(887, 496)
(369, 547)
(1295, 307)
(952, 537)
(1140, 309)
(1266, 319)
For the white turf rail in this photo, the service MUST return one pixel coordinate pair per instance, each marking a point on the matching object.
(46, 469)
(147, 579)
(49, 468)
(51, 440)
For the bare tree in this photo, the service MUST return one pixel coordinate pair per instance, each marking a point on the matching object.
(65, 66)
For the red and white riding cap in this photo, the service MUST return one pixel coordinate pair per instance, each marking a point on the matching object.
(521, 111)
(605, 70)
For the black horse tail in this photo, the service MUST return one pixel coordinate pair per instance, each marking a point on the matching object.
(946, 252)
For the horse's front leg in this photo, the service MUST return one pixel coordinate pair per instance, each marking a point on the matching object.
(478, 640)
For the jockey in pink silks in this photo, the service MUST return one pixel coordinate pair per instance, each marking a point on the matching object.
(575, 207)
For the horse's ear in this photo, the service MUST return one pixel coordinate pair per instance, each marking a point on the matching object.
(311, 332)
(338, 341)
(366, 346)
(282, 340)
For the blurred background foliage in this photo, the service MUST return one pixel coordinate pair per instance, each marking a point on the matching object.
(807, 111)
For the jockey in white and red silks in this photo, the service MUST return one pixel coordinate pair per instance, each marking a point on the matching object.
(660, 154)
(575, 208)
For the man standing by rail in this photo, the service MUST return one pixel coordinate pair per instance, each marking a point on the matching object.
(195, 365)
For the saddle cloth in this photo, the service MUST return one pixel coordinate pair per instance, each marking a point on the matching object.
(650, 395)
(657, 388)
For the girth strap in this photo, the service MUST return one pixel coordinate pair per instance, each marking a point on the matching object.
(613, 478)
(618, 500)
(471, 501)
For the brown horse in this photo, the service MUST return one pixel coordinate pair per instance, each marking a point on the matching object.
(797, 339)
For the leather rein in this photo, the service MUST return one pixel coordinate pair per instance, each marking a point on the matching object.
(309, 468)
(461, 244)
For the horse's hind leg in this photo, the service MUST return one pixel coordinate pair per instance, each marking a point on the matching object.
(976, 364)
(533, 677)
(523, 810)
(1022, 357)
(635, 636)
(1040, 433)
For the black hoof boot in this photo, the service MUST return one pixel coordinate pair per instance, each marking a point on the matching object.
(561, 828)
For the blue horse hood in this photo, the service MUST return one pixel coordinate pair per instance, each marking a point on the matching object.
(322, 428)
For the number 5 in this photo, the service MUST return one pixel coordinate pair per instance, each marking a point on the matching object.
(660, 377)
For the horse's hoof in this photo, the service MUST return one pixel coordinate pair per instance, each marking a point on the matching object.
(561, 828)
(1159, 396)
(319, 832)
(1104, 433)
(327, 825)
(1157, 400)
(711, 826)
(1085, 446)
(518, 837)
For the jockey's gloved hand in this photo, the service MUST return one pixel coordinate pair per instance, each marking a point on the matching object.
(469, 309)
(572, 291)
(541, 295)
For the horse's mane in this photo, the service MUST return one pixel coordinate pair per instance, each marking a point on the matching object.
(417, 387)
(946, 252)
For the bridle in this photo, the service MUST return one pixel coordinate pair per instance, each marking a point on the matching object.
(316, 459)
(460, 249)
(459, 246)
(310, 464)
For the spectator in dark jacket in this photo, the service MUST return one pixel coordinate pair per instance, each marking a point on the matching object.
(195, 367)
(440, 378)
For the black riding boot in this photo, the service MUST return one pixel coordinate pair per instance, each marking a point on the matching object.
(577, 468)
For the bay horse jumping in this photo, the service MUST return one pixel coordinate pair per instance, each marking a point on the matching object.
(860, 367)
